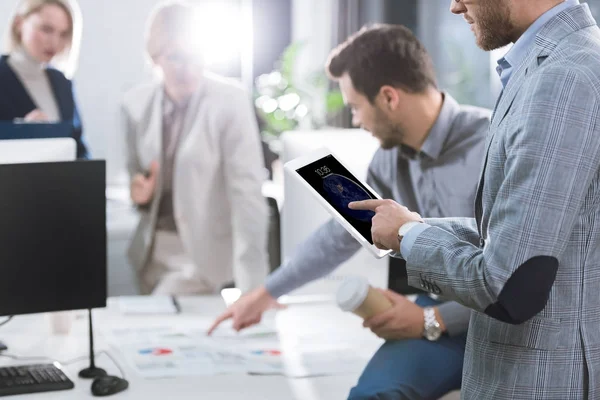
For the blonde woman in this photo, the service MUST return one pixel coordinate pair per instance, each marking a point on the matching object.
(196, 170)
(43, 39)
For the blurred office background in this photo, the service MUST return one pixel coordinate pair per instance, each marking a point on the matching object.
(246, 39)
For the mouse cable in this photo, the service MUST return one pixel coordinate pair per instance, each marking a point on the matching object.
(7, 320)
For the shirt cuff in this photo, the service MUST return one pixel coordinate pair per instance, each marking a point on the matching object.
(277, 282)
(410, 238)
(455, 316)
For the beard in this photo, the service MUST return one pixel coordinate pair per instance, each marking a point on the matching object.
(389, 134)
(493, 28)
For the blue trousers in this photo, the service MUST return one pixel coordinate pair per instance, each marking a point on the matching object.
(413, 369)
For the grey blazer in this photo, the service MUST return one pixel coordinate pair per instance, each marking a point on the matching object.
(529, 264)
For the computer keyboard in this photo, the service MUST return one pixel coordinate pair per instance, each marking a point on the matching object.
(33, 378)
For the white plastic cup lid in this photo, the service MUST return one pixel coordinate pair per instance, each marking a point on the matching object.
(352, 292)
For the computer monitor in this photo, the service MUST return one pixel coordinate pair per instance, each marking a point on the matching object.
(302, 214)
(52, 237)
(37, 150)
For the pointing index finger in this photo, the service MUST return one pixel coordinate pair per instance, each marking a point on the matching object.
(365, 204)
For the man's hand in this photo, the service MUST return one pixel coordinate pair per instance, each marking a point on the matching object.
(405, 320)
(142, 187)
(248, 310)
(36, 116)
(389, 217)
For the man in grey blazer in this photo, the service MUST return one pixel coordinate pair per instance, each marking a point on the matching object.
(431, 152)
(529, 263)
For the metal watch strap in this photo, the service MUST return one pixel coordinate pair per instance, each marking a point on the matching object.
(432, 328)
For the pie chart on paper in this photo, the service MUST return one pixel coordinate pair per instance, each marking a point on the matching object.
(266, 352)
(156, 351)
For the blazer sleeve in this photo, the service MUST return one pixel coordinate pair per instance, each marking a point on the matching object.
(244, 174)
(463, 228)
(552, 157)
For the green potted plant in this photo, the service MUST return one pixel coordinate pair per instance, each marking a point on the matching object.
(285, 102)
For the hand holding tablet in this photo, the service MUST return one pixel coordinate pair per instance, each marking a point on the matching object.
(334, 186)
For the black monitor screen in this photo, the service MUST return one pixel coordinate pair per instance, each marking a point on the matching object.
(52, 237)
(339, 187)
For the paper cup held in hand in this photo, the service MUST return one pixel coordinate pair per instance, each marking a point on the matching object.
(357, 296)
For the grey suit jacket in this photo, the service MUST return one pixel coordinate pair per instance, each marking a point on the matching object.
(529, 264)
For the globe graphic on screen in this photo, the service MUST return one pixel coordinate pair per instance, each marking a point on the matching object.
(341, 191)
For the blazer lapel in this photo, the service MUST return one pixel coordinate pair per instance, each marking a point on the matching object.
(503, 104)
(151, 142)
(191, 115)
(23, 103)
(510, 92)
(62, 96)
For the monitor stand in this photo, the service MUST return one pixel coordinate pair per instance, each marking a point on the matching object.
(3, 346)
(92, 371)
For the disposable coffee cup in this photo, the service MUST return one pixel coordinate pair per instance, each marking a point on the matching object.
(60, 322)
(357, 296)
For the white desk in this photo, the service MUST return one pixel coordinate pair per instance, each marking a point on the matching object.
(28, 336)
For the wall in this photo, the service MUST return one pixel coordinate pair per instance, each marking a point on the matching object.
(311, 24)
(272, 32)
(464, 70)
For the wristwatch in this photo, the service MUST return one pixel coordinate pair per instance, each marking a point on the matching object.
(405, 228)
(432, 329)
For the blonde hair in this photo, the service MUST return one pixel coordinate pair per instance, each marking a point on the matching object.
(168, 23)
(67, 60)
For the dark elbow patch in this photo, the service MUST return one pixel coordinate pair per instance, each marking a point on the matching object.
(526, 292)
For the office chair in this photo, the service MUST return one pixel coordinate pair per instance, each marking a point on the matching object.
(274, 242)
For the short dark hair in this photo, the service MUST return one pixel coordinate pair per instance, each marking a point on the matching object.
(383, 54)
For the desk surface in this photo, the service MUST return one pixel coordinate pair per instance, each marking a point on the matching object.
(28, 336)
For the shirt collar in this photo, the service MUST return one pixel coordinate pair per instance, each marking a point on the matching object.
(27, 64)
(434, 143)
(518, 52)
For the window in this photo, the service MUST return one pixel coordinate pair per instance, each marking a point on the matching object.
(463, 70)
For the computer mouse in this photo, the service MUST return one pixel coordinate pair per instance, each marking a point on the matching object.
(108, 385)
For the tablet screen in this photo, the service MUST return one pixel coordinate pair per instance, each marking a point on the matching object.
(339, 187)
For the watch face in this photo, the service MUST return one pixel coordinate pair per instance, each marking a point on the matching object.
(433, 333)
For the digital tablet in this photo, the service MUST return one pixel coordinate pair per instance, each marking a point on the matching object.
(334, 186)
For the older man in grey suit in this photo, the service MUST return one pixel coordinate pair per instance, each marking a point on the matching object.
(529, 264)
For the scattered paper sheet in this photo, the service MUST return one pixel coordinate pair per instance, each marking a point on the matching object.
(158, 352)
(147, 305)
(300, 364)
(225, 330)
(171, 360)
